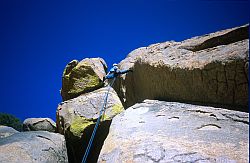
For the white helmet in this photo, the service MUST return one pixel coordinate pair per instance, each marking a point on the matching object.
(115, 64)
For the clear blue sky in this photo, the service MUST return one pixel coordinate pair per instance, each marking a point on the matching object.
(39, 37)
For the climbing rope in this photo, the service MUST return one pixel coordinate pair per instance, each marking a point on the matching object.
(98, 121)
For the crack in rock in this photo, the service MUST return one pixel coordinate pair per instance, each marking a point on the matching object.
(237, 118)
(43, 137)
(188, 157)
(209, 127)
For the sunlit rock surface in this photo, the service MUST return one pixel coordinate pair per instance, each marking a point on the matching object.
(210, 70)
(157, 131)
(76, 119)
(81, 77)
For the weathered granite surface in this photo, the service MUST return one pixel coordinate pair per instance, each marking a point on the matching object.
(158, 131)
(210, 70)
(33, 147)
(76, 119)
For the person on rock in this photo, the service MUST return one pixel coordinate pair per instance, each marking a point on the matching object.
(115, 71)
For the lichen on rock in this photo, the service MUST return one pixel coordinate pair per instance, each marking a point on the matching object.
(82, 77)
(79, 124)
(77, 117)
(210, 70)
(117, 108)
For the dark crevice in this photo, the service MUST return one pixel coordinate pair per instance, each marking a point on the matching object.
(50, 149)
(159, 115)
(245, 68)
(198, 111)
(202, 159)
(213, 115)
(43, 137)
(76, 147)
(240, 120)
(174, 117)
(237, 119)
(208, 104)
(202, 126)
(225, 39)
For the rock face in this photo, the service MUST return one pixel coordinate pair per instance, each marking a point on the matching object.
(6, 131)
(157, 131)
(76, 119)
(210, 69)
(33, 147)
(81, 77)
(39, 124)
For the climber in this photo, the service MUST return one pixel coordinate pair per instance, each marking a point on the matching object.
(115, 71)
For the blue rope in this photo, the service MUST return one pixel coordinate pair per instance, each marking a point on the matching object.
(97, 123)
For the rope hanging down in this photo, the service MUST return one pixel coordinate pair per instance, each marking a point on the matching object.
(97, 123)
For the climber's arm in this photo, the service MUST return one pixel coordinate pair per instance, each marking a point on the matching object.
(125, 71)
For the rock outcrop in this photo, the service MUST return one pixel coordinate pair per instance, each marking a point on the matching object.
(6, 131)
(208, 70)
(33, 147)
(157, 131)
(76, 119)
(81, 77)
(39, 124)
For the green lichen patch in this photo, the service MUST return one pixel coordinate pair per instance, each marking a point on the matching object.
(93, 80)
(85, 84)
(78, 80)
(116, 109)
(69, 67)
(79, 124)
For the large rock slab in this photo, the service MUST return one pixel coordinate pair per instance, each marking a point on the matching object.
(76, 119)
(6, 131)
(33, 147)
(208, 70)
(81, 77)
(39, 124)
(157, 131)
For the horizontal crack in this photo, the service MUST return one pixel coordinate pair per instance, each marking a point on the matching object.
(199, 111)
(238, 119)
(208, 125)
(43, 137)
